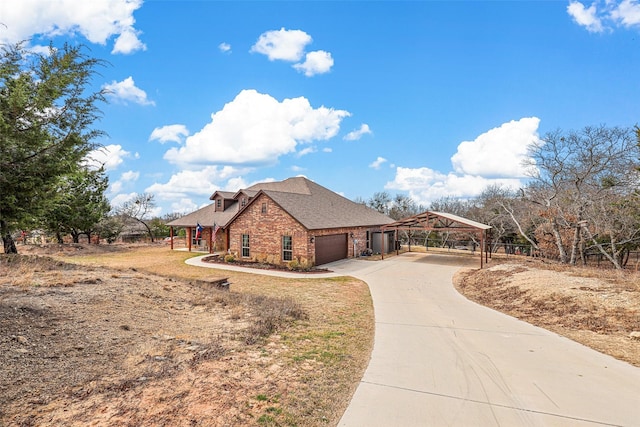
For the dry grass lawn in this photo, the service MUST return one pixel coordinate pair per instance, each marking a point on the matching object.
(132, 336)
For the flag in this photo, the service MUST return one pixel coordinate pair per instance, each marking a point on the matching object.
(198, 231)
(216, 227)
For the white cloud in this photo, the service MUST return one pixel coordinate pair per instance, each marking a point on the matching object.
(201, 182)
(358, 133)
(120, 199)
(627, 13)
(295, 168)
(184, 206)
(425, 185)
(255, 128)
(318, 62)
(377, 163)
(126, 90)
(286, 45)
(586, 17)
(605, 14)
(493, 158)
(224, 47)
(130, 176)
(109, 156)
(306, 151)
(96, 20)
(128, 42)
(498, 152)
(169, 133)
(327, 150)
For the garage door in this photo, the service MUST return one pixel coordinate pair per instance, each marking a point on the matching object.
(330, 248)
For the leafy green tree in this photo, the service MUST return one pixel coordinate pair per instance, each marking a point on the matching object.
(46, 128)
(110, 228)
(78, 204)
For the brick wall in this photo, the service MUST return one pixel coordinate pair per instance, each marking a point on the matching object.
(265, 232)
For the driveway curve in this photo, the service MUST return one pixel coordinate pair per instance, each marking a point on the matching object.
(442, 360)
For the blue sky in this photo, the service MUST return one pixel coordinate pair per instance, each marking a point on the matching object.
(425, 98)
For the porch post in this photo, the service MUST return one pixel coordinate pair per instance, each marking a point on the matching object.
(395, 242)
(210, 240)
(382, 243)
(171, 236)
(189, 238)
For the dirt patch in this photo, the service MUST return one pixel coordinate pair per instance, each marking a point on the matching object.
(600, 309)
(110, 343)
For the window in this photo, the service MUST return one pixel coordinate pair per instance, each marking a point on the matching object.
(245, 246)
(244, 201)
(196, 239)
(218, 204)
(264, 208)
(368, 239)
(287, 248)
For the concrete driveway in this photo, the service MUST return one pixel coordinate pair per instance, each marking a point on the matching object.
(441, 360)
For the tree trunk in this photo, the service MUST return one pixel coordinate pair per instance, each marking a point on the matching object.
(7, 239)
(556, 234)
(59, 238)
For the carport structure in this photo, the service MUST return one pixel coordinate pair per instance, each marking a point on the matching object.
(441, 221)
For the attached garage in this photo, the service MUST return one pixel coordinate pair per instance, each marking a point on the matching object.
(331, 248)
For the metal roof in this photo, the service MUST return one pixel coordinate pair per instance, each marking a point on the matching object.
(430, 220)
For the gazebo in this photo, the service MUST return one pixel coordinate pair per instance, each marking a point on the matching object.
(441, 221)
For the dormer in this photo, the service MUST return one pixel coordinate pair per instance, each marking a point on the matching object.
(222, 200)
(243, 197)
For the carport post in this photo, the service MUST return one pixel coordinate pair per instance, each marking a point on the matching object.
(482, 248)
(395, 242)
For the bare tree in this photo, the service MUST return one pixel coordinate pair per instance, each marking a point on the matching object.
(139, 210)
(571, 173)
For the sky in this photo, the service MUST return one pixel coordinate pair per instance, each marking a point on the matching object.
(429, 99)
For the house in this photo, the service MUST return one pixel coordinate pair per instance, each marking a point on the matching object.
(294, 219)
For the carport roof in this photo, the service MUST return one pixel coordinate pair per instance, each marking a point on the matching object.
(430, 220)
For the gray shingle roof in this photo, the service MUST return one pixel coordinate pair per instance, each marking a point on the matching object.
(317, 207)
(206, 217)
(311, 204)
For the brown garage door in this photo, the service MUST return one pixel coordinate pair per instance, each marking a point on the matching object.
(330, 248)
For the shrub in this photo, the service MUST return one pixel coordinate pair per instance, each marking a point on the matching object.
(293, 264)
(229, 258)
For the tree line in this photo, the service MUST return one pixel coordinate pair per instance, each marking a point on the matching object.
(47, 118)
(581, 198)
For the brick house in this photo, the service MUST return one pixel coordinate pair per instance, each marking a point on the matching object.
(294, 219)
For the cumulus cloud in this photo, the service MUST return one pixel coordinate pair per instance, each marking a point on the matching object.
(126, 91)
(627, 13)
(202, 182)
(498, 152)
(318, 62)
(286, 45)
(358, 133)
(184, 206)
(97, 20)
(604, 15)
(224, 47)
(586, 17)
(130, 176)
(493, 158)
(109, 156)
(290, 45)
(169, 133)
(256, 128)
(377, 163)
(425, 185)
